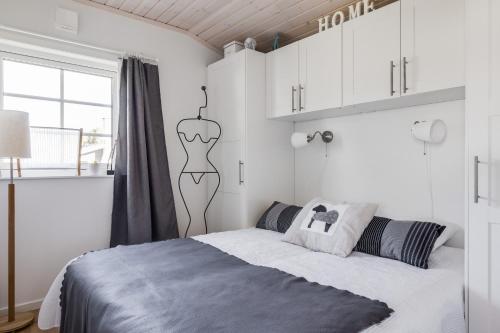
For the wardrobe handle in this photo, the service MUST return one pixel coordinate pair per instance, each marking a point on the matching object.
(241, 172)
(405, 63)
(301, 88)
(392, 78)
(293, 99)
(476, 179)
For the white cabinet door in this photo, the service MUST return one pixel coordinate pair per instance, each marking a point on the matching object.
(371, 56)
(226, 96)
(433, 45)
(321, 71)
(226, 105)
(483, 135)
(282, 71)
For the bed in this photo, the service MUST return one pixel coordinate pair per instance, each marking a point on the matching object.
(422, 300)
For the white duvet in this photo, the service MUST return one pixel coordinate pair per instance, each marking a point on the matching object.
(424, 301)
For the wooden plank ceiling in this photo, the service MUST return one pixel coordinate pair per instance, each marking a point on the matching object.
(218, 22)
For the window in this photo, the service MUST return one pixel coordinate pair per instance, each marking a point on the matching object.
(60, 95)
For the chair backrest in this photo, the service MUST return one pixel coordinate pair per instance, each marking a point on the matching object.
(53, 148)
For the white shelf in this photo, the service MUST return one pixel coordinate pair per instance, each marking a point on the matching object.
(433, 97)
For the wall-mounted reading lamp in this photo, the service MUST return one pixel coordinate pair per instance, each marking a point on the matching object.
(299, 140)
(429, 131)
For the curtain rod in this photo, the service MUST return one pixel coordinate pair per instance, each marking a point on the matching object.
(119, 54)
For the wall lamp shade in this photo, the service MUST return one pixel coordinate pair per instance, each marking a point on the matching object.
(429, 131)
(299, 140)
(14, 134)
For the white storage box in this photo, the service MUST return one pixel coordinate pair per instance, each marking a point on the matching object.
(232, 47)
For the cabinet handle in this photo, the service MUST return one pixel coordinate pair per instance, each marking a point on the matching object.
(240, 171)
(405, 87)
(293, 99)
(476, 179)
(301, 88)
(392, 78)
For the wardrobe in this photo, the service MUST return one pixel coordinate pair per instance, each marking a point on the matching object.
(483, 165)
(254, 155)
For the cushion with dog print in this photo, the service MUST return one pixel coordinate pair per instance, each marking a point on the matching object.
(331, 228)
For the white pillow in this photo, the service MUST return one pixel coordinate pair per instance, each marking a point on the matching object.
(446, 235)
(331, 228)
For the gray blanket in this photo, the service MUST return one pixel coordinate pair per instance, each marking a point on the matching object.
(187, 286)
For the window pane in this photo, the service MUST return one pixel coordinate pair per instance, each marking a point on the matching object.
(96, 149)
(93, 119)
(87, 88)
(27, 79)
(42, 113)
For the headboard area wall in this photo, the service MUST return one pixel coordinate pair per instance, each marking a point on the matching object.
(374, 158)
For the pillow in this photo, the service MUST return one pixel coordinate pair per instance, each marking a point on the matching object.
(278, 217)
(331, 228)
(449, 231)
(408, 241)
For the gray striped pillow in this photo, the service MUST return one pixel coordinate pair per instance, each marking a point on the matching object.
(409, 242)
(278, 217)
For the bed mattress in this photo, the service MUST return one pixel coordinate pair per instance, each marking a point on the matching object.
(423, 300)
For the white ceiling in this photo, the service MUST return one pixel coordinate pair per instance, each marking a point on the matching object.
(217, 22)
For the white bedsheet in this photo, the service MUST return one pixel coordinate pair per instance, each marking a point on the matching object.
(424, 301)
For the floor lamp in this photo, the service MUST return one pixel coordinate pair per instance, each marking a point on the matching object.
(14, 143)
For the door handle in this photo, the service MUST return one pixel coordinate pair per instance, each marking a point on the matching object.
(301, 88)
(293, 99)
(405, 63)
(240, 172)
(476, 179)
(392, 78)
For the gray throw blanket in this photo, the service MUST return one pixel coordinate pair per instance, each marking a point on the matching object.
(187, 286)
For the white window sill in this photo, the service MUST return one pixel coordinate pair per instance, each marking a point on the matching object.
(16, 179)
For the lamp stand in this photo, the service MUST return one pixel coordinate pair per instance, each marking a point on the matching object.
(13, 322)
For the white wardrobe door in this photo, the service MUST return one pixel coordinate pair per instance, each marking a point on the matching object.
(433, 43)
(226, 105)
(483, 128)
(370, 43)
(321, 71)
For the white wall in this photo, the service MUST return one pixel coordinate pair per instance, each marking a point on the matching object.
(375, 159)
(58, 219)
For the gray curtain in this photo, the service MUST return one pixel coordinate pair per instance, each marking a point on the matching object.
(143, 202)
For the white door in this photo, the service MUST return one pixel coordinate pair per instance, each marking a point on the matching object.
(226, 105)
(282, 70)
(483, 133)
(321, 71)
(371, 48)
(432, 44)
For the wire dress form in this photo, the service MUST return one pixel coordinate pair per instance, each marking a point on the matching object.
(188, 168)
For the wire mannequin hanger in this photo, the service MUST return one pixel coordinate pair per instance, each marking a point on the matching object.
(197, 175)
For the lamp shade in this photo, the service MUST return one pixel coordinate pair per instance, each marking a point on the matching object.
(299, 140)
(431, 131)
(14, 134)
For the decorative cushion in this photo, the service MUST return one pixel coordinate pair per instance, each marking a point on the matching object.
(278, 217)
(331, 228)
(408, 241)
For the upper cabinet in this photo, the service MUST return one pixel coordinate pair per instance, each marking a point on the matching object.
(305, 76)
(282, 78)
(432, 45)
(371, 56)
(409, 52)
(320, 71)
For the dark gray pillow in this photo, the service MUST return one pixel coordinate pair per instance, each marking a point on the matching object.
(408, 241)
(278, 217)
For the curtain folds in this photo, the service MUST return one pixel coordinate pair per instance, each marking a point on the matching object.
(143, 202)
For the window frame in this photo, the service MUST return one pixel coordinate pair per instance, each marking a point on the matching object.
(65, 66)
